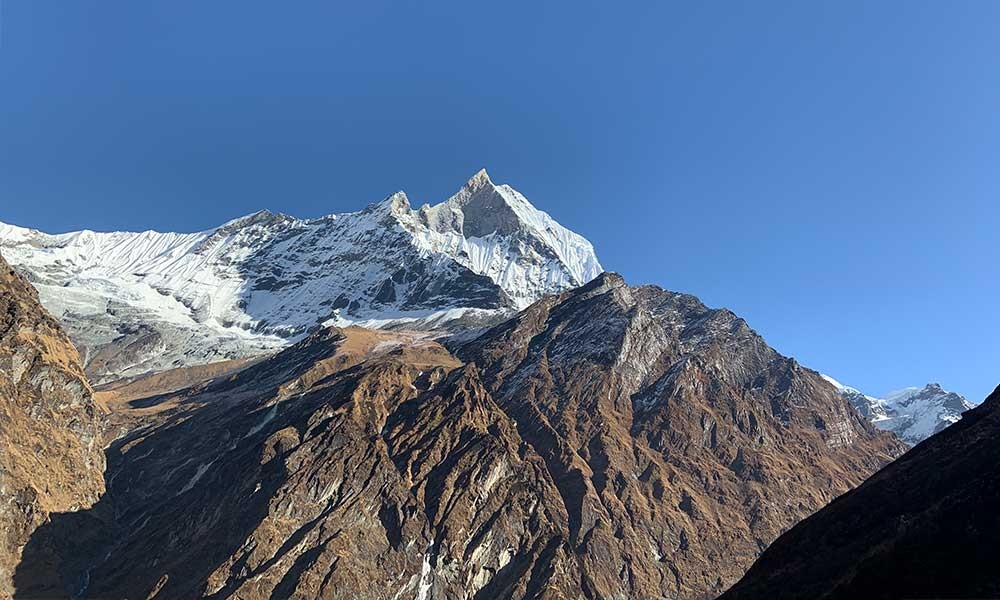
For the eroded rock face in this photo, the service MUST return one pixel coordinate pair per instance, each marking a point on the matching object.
(609, 442)
(926, 526)
(51, 458)
(681, 444)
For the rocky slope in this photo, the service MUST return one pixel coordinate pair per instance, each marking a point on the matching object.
(140, 302)
(926, 526)
(51, 458)
(608, 442)
(913, 414)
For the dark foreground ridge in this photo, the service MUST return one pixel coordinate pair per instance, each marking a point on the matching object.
(926, 526)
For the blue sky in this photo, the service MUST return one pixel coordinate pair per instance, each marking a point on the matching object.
(828, 170)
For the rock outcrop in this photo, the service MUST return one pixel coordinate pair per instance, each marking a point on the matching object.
(926, 526)
(608, 442)
(51, 457)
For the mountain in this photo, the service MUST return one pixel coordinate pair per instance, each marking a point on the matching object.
(925, 526)
(141, 302)
(50, 427)
(913, 414)
(606, 442)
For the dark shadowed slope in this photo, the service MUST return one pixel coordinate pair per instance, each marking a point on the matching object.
(926, 526)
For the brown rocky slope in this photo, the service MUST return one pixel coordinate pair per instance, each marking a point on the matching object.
(51, 457)
(926, 526)
(608, 442)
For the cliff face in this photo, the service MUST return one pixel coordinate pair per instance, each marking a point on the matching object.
(51, 458)
(926, 526)
(680, 443)
(608, 442)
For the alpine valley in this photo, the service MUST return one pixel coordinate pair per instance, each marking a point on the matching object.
(454, 401)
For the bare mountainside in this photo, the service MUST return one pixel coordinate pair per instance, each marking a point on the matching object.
(140, 302)
(926, 526)
(607, 442)
(50, 428)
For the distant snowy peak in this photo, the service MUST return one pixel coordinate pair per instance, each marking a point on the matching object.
(916, 414)
(913, 413)
(145, 301)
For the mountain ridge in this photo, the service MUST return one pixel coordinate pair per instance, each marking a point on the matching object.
(147, 301)
(607, 441)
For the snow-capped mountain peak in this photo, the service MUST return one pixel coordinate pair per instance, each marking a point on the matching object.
(137, 302)
(912, 413)
(483, 225)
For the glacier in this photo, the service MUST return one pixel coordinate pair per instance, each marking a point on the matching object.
(137, 302)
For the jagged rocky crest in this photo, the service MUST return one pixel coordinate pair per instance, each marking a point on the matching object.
(925, 526)
(610, 441)
(142, 302)
(51, 456)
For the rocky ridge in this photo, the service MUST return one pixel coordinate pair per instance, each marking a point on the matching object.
(51, 456)
(607, 442)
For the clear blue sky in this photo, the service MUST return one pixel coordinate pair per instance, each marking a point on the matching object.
(828, 170)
